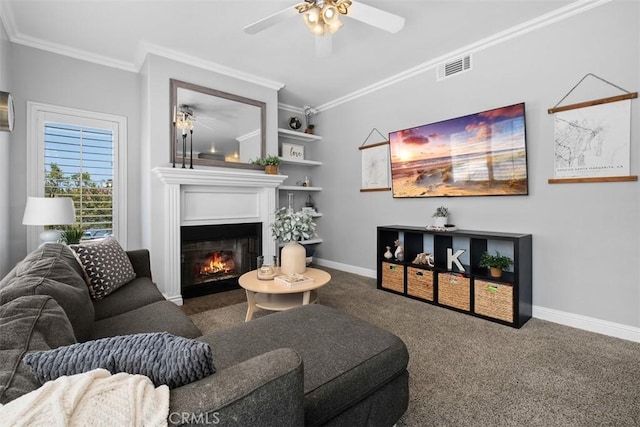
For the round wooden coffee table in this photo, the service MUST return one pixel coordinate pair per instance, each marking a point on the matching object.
(270, 295)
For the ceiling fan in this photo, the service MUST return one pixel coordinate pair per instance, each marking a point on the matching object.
(322, 17)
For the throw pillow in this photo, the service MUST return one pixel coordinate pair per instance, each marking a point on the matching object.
(106, 265)
(164, 358)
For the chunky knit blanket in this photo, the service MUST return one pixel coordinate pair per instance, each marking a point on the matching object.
(94, 398)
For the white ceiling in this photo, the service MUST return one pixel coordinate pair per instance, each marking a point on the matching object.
(209, 32)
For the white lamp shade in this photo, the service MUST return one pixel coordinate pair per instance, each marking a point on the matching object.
(49, 211)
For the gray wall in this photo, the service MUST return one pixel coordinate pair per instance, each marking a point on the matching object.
(45, 77)
(585, 236)
(5, 141)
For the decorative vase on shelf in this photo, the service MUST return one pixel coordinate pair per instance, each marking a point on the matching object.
(388, 254)
(440, 221)
(399, 253)
(293, 258)
(295, 123)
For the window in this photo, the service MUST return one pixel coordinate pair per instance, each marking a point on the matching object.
(78, 163)
(78, 157)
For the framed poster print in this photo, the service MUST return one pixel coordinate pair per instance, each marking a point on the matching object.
(376, 175)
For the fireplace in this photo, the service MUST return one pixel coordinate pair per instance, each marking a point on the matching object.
(206, 196)
(212, 257)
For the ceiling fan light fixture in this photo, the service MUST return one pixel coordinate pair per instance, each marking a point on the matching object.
(314, 20)
(329, 13)
(334, 26)
(342, 6)
(322, 17)
(315, 26)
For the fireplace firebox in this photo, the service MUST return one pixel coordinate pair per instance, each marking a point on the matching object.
(213, 257)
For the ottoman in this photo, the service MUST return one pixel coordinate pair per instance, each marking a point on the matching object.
(355, 373)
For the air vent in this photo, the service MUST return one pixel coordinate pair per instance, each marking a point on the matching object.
(456, 66)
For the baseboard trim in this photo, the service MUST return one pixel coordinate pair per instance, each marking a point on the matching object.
(586, 323)
(591, 324)
(176, 299)
(346, 267)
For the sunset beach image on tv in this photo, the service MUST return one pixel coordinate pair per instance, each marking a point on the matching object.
(482, 154)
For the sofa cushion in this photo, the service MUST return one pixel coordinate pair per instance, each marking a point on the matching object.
(164, 358)
(55, 277)
(46, 250)
(29, 323)
(106, 265)
(161, 316)
(139, 292)
(345, 358)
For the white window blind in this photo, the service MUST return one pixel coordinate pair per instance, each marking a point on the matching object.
(79, 163)
(81, 154)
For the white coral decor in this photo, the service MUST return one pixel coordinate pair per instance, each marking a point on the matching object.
(294, 226)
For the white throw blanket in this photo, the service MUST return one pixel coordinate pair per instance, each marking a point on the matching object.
(94, 398)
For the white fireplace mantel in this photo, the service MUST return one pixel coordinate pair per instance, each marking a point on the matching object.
(212, 196)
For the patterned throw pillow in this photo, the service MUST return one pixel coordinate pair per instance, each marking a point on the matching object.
(106, 265)
(164, 358)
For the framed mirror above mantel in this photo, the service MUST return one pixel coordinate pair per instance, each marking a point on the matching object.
(215, 128)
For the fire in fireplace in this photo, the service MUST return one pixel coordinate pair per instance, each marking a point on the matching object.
(217, 266)
(214, 256)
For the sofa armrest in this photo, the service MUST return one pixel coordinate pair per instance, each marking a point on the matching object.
(265, 390)
(141, 262)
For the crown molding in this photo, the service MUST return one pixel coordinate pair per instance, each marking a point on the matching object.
(541, 21)
(290, 108)
(149, 48)
(6, 16)
(7, 19)
(145, 49)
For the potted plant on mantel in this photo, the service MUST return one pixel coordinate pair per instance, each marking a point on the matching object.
(270, 164)
(495, 263)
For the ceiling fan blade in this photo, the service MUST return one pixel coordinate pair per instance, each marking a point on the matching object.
(270, 20)
(324, 45)
(376, 17)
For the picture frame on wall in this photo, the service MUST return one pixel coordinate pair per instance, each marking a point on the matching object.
(376, 174)
(292, 151)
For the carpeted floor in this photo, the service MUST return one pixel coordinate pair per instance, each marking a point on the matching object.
(466, 371)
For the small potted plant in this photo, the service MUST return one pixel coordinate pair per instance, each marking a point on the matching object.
(495, 263)
(440, 216)
(72, 235)
(270, 164)
(308, 112)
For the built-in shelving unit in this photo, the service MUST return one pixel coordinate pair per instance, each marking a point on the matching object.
(292, 166)
(299, 188)
(298, 136)
(300, 162)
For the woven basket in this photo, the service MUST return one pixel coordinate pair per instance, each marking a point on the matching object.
(420, 283)
(494, 300)
(393, 276)
(454, 290)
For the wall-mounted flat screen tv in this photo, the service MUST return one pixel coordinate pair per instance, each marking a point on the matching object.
(482, 154)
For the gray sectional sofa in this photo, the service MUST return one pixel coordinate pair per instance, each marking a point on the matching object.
(311, 365)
